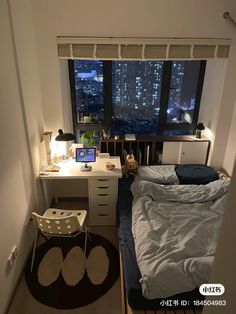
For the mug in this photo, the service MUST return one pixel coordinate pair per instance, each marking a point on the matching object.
(87, 119)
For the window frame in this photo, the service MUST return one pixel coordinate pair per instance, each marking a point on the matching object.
(162, 124)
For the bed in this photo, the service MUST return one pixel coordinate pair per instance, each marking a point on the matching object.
(130, 268)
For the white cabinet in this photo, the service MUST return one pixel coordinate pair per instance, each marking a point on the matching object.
(103, 193)
(171, 152)
(185, 152)
(193, 152)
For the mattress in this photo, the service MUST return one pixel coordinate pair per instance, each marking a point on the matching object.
(130, 268)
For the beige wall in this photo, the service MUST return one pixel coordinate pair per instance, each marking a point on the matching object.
(29, 74)
(21, 125)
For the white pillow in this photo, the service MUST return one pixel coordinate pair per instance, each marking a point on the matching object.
(164, 174)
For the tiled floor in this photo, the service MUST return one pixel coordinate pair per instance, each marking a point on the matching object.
(110, 303)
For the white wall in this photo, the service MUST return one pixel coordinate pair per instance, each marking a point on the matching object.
(136, 18)
(65, 96)
(230, 152)
(221, 149)
(211, 98)
(20, 134)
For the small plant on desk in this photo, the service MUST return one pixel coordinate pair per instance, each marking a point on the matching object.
(88, 137)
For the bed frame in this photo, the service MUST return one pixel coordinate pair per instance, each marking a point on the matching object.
(126, 309)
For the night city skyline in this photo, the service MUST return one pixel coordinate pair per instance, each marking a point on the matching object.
(136, 93)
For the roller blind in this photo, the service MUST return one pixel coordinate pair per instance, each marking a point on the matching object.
(142, 48)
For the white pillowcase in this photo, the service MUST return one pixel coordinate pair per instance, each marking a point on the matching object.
(159, 174)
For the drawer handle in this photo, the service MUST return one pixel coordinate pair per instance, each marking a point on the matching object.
(102, 204)
(103, 187)
(102, 179)
(102, 194)
(102, 215)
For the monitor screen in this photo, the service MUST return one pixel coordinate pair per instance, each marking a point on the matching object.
(86, 154)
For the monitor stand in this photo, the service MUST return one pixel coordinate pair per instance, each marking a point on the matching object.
(86, 168)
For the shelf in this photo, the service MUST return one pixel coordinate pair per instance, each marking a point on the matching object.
(146, 149)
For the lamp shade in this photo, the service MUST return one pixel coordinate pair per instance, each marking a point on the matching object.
(200, 126)
(63, 137)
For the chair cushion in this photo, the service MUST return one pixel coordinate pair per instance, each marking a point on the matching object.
(196, 174)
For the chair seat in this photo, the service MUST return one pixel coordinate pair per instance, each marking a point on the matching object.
(61, 213)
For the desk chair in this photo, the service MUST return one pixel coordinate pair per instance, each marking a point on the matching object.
(60, 223)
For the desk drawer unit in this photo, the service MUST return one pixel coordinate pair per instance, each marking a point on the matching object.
(102, 201)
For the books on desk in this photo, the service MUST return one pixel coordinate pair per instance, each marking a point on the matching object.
(130, 137)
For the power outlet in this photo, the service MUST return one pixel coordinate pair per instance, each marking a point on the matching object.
(13, 255)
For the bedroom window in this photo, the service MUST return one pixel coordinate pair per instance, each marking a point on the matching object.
(141, 97)
(136, 95)
(88, 90)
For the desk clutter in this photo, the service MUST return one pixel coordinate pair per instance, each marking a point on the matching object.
(49, 168)
(110, 166)
(53, 168)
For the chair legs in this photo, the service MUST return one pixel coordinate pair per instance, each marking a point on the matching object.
(89, 236)
(85, 247)
(34, 248)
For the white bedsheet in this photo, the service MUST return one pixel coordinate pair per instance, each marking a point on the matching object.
(175, 230)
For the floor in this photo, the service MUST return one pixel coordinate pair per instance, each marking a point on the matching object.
(110, 303)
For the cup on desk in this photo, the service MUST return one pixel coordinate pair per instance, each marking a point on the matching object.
(109, 165)
(87, 119)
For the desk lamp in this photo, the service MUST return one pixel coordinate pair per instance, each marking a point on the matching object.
(199, 128)
(65, 137)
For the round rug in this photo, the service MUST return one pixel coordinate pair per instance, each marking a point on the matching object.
(59, 278)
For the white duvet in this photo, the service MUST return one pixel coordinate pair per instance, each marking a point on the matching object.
(175, 230)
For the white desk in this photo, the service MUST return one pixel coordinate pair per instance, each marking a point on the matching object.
(102, 187)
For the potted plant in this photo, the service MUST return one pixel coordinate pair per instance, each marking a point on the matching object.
(87, 138)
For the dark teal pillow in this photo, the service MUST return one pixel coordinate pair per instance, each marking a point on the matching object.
(196, 174)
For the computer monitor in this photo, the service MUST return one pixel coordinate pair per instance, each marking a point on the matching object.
(85, 155)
